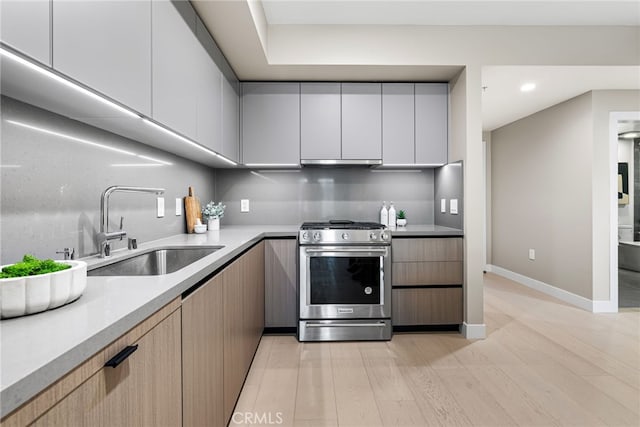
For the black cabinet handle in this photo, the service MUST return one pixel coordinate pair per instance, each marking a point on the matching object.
(120, 357)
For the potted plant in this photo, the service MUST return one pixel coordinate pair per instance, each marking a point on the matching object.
(213, 212)
(401, 218)
(35, 285)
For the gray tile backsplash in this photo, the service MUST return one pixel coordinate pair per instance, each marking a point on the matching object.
(53, 171)
(449, 185)
(312, 194)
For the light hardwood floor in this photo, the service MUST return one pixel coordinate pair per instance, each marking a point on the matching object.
(544, 363)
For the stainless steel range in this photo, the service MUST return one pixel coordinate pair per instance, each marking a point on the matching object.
(344, 281)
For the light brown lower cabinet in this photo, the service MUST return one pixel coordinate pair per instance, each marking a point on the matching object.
(426, 306)
(144, 389)
(280, 300)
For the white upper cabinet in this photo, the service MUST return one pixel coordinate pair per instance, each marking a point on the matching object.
(209, 97)
(230, 119)
(271, 123)
(26, 26)
(361, 121)
(398, 130)
(174, 66)
(320, 121)
(107, 46)
(432, 106)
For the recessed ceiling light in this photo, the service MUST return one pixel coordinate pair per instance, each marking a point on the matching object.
(527, 87)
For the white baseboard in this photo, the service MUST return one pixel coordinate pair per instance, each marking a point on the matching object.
(474, 331)
(561, 294)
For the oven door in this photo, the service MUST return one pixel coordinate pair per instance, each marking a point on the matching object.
(345, 282)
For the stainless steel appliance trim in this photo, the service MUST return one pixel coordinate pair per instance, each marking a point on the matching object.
(353, 330)
(330, 162)
(332, 311)
(343, 325)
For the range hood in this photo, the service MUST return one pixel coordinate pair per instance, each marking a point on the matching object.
(342, 162)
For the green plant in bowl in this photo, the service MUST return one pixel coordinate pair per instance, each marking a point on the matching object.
(32, 266)
(401, 218)
(401, 215)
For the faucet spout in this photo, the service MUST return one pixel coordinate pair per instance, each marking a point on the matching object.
(104, 236)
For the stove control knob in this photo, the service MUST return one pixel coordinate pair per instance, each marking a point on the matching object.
(373, 236)
(305, 235)
(384, 236)
(345, 236)
(316, 236)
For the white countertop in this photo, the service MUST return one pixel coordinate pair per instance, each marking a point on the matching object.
(39, 349)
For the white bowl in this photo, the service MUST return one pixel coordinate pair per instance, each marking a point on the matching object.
(33, 294)
(200, 228)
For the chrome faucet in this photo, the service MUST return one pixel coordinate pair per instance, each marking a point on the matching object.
(105, 236)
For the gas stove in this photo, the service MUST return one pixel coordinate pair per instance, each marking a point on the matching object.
(343, 232)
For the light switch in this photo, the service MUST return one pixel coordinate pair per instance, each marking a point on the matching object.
(443, 205)
(178, 206)
(160, 206)
(453, 206)
(532, 254)
(244, 205)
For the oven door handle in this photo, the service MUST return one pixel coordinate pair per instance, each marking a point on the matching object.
(347, 251)
(342, 325)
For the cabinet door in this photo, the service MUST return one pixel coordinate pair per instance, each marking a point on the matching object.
(398, 131)
(230, 119)
(175, 83)
(26, 26)
(144, 390)
(361, 121)
(202, 356)
(320, 121)
(253, 278)
(271, 123)
(234, 336)
(427, 306)
(432, 105)
(107, 46)
(280, 299)
(209, 99)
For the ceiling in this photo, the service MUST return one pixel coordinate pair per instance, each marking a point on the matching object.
(451, 12)
(400, 40)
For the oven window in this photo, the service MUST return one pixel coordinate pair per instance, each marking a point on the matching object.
(345, 280)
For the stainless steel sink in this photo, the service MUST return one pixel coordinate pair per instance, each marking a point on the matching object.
(155, 262)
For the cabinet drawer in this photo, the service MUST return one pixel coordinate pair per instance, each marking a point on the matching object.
(427, 306)
(429, 249)
(426, 273)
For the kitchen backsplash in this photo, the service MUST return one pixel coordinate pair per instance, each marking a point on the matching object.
(449, 185)
(54, 169)
(308, 194)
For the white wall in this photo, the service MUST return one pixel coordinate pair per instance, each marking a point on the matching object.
(541, 195)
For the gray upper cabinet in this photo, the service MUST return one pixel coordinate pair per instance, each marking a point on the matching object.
(398, 131)
(361, 121)
(230, 119)
(175, 60)
(271, 123)
(431, 123)
(320, 121)
(107, 46)
(209, 97)
(26, 26)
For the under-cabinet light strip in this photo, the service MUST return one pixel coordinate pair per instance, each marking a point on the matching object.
(48, 73)
(72, 138)
(271, 165)
(406, 165)
(187, 141)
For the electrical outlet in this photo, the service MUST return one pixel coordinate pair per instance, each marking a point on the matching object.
(532, 254)
(178, 206)
(443, 205)
(453, 206)
(160, 206)
(244, 205)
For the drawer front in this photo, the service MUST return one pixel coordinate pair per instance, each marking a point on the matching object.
(427, 306)
(429, 249)
(427, 273)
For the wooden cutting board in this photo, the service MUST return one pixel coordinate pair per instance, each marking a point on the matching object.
(192, 210)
